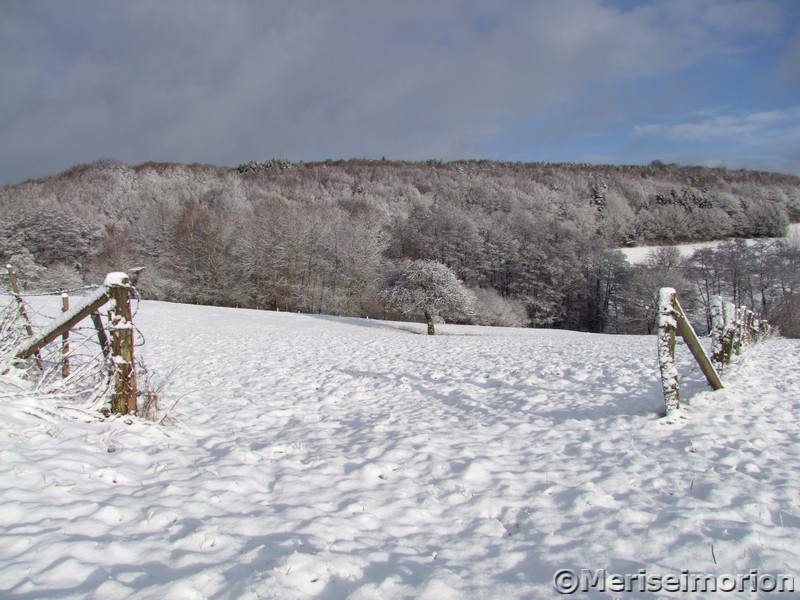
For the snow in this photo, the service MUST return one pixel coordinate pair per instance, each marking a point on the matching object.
(639, 254)
(116, 279)
(316, 457)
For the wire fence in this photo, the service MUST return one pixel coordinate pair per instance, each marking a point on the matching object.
(77, 367)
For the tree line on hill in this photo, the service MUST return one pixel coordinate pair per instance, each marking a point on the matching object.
(537, 244)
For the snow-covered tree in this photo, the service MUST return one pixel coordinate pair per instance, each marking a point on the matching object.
(26, 270)
(429, 288)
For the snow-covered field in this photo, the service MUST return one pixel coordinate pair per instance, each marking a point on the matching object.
(639, 254)
(314, 457)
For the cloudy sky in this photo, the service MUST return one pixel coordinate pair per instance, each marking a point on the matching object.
(712, 82)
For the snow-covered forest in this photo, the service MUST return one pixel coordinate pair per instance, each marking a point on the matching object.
(536, 244)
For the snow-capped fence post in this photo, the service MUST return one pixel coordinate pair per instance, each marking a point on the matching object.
(764, 328)
(752, 330)
(123, 399)
(746, 325)
(12, 277)
(672, 319)
(666, 350)
(65, 339)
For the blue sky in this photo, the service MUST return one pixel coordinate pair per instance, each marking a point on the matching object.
(707, 82)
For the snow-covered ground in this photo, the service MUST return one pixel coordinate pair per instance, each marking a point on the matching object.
(315, 457)
(639, 254)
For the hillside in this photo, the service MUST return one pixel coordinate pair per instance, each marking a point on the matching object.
(324, 457)
(534, 241)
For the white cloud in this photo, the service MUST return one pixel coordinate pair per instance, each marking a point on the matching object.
(757, 127)
(190, 80)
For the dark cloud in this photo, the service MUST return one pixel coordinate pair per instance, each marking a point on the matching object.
(225, 82)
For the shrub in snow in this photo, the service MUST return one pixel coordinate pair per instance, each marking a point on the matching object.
(429, 288)
(494, 310)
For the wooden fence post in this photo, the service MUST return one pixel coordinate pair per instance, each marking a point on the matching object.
(123, 400)
(752, 330)
(18, 296)
(667, 327)
(739, 337)
(717, 329)
(764, 328)
(728, 331)
(696, 348)
(65, 340)
(101, 336)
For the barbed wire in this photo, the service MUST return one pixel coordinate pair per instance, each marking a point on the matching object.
(59, 292)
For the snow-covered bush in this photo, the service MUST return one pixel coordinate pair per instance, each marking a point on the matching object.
(494, 310)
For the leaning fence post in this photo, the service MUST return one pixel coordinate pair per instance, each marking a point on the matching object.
(695, 347)
(18, 296)
(667, 327)
(65, 339)
(123, 400)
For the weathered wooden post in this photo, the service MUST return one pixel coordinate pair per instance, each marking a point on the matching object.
(752, 330)
(717, 329)
(123, 400)
(65, 340)
(667, 327)
(728, 331)
(764, 328)
(22, 310)
(101, 335)
(739, 336)
(693, 342)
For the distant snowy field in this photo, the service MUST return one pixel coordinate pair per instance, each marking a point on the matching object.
(315, 457)
(639, 254)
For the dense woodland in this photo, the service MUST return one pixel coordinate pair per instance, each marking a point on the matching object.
(537, 244)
